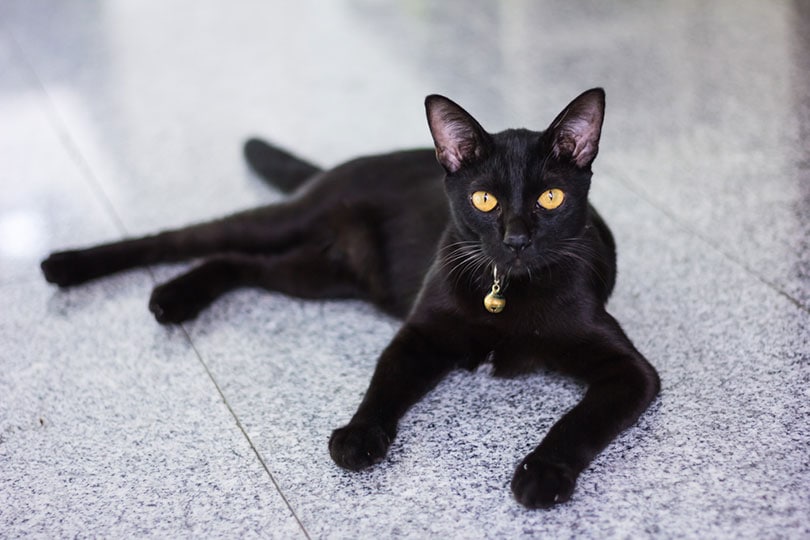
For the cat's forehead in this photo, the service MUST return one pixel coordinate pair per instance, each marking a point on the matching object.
(521, 155)
(517, 141)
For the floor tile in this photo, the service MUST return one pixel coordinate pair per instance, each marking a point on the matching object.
(110, 426)
(190, 112)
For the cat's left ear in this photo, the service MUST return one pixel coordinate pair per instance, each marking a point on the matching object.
(575, 132)
(459, 139)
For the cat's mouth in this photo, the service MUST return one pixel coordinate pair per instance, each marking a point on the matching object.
(515, 266)
(523, 265)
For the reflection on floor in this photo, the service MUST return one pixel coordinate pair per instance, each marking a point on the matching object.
(123, 118)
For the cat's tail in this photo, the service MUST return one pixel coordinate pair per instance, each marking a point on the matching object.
(280, 168)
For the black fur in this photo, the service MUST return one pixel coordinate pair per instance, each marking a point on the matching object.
(399, 230)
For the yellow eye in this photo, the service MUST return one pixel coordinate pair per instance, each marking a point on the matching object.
(484, 201)
(551, 199)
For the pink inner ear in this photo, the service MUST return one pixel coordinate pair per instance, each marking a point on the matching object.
(455, 142)
(449, 158)
(578, 138)
(587, 139)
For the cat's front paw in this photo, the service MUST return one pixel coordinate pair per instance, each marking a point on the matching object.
(359, 446)
(541, 484)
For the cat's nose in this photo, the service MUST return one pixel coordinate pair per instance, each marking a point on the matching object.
(516, 236)
(517, 242)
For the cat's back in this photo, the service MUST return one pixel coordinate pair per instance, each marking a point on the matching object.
(391, 177)
(387, 213)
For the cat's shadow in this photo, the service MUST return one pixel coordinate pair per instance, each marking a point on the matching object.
(121, 287)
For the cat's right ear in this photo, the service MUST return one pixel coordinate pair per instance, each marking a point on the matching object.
(459, 139)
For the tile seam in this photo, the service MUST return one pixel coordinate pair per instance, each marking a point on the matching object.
(65, 137)
(241, 428)
(627, 183)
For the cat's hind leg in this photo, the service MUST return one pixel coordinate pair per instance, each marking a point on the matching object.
(265, 230)
(306, 272)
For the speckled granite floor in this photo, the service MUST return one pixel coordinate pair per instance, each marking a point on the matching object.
(119, 118)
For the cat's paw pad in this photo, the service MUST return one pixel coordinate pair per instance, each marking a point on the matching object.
(359, 446)
(173, 304)
(542, 484)
(65, 268)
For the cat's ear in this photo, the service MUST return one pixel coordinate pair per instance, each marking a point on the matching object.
(459, 139)
(575, 132)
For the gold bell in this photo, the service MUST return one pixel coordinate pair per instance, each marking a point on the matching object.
(494, 302)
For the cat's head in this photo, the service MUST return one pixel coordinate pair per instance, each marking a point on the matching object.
(519, 198)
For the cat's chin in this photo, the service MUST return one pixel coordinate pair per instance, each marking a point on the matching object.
(516, 268)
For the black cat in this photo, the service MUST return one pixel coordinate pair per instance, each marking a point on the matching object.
(496, 256)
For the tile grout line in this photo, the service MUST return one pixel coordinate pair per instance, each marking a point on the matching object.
(244, 432)
(59, 125)
(622, 179)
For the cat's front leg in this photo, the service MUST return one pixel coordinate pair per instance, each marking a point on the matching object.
(410, 366)
(622, 384)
